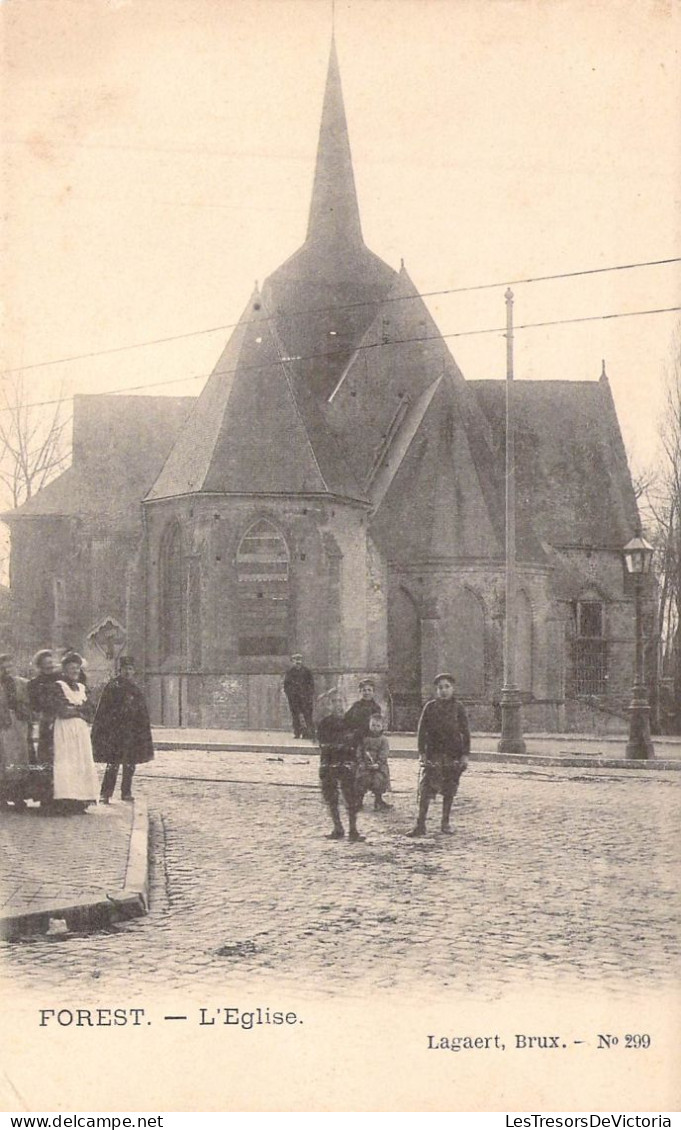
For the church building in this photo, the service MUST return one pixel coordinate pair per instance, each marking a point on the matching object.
(337, 489)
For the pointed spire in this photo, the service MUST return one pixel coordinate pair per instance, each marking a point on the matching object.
(334, 212)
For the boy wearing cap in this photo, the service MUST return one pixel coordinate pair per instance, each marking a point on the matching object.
(444, 742)
(357, 717)
(299, 690)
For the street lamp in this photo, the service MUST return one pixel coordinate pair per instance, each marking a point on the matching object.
(638, 559)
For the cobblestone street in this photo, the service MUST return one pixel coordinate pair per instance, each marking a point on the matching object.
(553, 875)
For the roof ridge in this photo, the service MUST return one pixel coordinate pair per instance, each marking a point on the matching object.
(399, 277)
(381, 478)
(278, 345)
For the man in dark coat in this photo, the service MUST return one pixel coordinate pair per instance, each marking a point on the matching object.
(444, 741)
(121, 732)
(299, 690)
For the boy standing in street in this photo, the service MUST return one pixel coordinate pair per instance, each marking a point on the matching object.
(338, 770)
(444, 742)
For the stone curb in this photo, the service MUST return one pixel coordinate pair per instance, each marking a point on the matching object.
(581, 761)
(95, 912)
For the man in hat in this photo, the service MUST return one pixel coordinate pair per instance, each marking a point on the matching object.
(121, 732)
(299, 690)
(444, 742)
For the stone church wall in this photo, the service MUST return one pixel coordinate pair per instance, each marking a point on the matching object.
(336, 599)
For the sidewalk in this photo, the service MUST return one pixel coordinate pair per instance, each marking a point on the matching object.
(574, 750)
(72, 873)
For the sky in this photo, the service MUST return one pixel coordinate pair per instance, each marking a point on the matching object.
(158, 158)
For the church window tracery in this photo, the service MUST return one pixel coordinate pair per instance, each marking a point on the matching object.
(262, 563)
(591, 657)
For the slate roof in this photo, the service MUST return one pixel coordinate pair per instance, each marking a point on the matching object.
(572, 479)
(334, 280)
(259, 426)
(251, 431)
(389, 371)
(334, 211)
(438, 504)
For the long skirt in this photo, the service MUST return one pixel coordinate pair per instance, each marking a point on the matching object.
(75, 776)
(14, 745)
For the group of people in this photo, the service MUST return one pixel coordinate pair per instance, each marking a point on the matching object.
(47, 748)
(354, 749)
(353, 759)
(50, 725)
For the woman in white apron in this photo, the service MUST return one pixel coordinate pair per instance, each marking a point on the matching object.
(76, 784)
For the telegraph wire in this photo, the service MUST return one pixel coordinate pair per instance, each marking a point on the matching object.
(345, 306)
(354, 352)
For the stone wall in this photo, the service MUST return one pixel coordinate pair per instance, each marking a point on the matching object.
(336, 596)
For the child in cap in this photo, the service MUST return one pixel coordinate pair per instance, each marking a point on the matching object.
(357, 717)
(444, 742)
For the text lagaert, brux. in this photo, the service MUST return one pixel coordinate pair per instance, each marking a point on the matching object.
(523, 1041)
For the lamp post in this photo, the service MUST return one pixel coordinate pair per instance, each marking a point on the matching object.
(638, 559)
(511, 740)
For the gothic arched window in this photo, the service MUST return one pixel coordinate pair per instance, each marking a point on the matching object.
(262, 564)
(171, 610)
(464, 651)
(591, 646)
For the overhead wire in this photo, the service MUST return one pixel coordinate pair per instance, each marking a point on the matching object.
(344, 306)
(361, 348)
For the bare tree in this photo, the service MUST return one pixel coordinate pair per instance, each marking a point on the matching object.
(33, 446)
(662, 501)
(33, 449)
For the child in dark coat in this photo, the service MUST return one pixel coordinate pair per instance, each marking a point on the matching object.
(338, 770)
(444, 742)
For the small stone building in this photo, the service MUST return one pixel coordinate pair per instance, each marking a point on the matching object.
(337, 489)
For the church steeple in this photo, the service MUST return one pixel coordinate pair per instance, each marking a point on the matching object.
(334, 212)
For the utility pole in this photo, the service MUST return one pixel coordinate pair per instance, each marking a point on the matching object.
(511, 740)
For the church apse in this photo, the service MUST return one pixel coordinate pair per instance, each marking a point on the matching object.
(338, 489)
